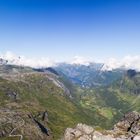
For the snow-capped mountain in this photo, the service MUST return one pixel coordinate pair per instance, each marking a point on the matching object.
(89, 76)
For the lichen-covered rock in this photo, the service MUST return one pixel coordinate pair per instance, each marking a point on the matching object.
(99, 136)
(17, 124)
(85, 137)
(70, 134)
(126, 129)
(128, 123)
(136, 138)
(85, 128)
(80, 130)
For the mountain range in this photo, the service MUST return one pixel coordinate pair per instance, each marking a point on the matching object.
(40, 103)
(92, 75)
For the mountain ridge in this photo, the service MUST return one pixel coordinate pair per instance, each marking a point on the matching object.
(31, 93)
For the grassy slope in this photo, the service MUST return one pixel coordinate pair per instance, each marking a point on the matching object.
(101, 106)
(37, 93)
(112, 102)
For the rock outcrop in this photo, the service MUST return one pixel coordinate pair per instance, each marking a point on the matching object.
(126, 129)
(17, 124)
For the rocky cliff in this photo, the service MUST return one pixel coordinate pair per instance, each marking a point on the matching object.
(126, 129)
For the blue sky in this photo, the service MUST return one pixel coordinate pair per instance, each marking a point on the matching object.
(62, 29)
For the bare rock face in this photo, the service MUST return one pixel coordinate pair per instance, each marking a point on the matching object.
(84, 132)
(18, 124)
(129, 125)
(80, 130)
(84, 128)
(136, 138)
(126, 129)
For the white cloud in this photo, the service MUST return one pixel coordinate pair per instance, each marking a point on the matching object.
(128, 62)
(80, 60)
(22, 60)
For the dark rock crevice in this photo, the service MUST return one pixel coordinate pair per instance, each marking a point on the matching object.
(39, 124)
(42, 128)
